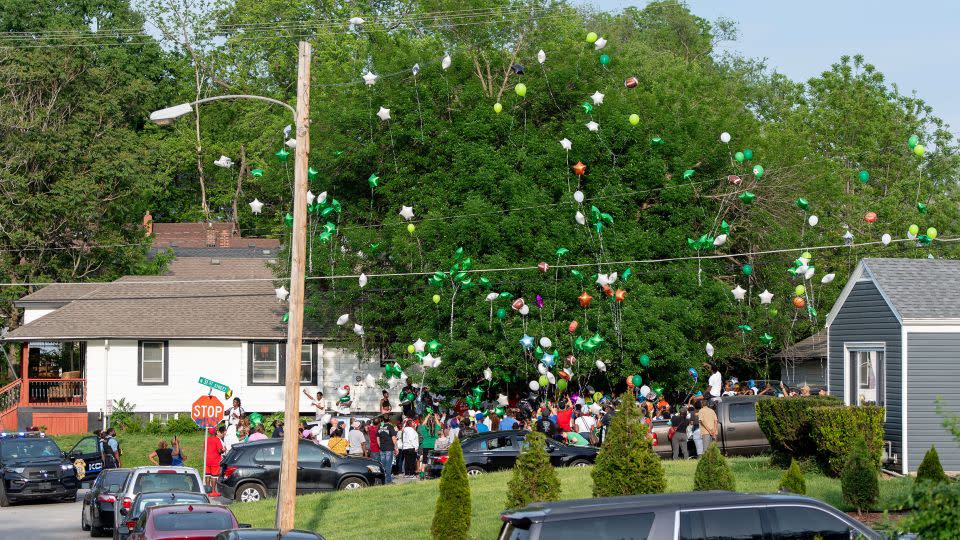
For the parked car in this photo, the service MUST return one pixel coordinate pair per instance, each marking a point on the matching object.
(740, 434)
(184, 521)
(32, 466)
(251, 471)
(267, 534)
(128, 518)
(496, 450)
(684, 516)
(157, 479)
(97, 510)
(87, 458)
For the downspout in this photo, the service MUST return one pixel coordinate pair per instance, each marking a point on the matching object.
(106, 380)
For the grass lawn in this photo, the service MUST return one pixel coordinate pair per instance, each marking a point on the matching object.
(406, 510)
(136, 448)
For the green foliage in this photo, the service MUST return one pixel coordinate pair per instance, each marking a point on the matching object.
(835, 429)
(451, 519)
(859, 480)
(182, 425)
(124, 418)
(936, 511)
(626, 463)
(793, 480)
(930, 469)
(154, 427)
(534, 478)
(713, 472)
(787, 425)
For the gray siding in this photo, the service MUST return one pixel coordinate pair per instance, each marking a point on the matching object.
(932, 372)
(810, 371)
(865, 316)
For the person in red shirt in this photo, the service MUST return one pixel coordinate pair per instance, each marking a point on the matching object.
(214, 456)
(564, 415)
(372, 430)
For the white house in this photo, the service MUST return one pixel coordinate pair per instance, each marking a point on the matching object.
(149, 339)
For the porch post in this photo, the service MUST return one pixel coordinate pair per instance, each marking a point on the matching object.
(24, 379)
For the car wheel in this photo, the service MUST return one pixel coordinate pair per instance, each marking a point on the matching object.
(95, 531)
(473, 470)
(579, 463)
(352, 483)
(250, 493)
(4, 500)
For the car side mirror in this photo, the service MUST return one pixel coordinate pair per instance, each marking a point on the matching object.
(325, 462)
(207, 489)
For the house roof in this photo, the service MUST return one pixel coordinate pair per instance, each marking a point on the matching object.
(184, 305)
(918, 288)
(814, 346)
(58, 293)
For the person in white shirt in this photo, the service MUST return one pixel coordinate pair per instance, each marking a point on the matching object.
(729, 391)
(584, 424)
(230, 438)
(409, 443)
(235, 413)
(715, 382)
(319, 405)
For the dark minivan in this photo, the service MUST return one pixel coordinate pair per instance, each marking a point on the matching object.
(684, 516)
(251, 471)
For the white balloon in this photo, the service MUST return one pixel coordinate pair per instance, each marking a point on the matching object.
(541, 56)
(357, 20)
(545, 342)
(601, 366)
(322, 197)
(885, 239)
(357, 329)
(256, 206)
(282, 293)
(720, 240)
(766, 297)
(809, 273)
(710, 350)
(578, 196)
(406, 212)
(534, 385)
(581, 219)
(827, 278)
(525, 309)
(644, 390)
(739, 293)
(613, 279)
(384, 113)
(224, 162)
(595, 409)
(503, 400)
(445, 63)
(362, 280)
(488, 374)
(592, 126)
(599, 44)
(566, 144)
(311, 197)
(551, 378)
(542, 368)
(436, 362)
(370, 379)
(813, 220)
(343, 319)
(370, 78)
(342, 391)
(492, 296)
(724, 137)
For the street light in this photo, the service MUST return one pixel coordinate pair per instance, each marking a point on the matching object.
(165, 117)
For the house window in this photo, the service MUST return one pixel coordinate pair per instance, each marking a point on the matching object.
(154, 363)
(308, 364)
(867, 369)
(265, 366)
(163, 417)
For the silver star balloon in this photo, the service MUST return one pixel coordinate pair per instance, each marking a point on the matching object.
(406, 212)
(384, 114)
(370, 78)
(256, 206)
(766, 297)
(566, 144)
(597, 98)
(739, 293)
(593, 126)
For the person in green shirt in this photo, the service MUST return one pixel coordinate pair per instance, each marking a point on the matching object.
(428, 430)
(575, 439)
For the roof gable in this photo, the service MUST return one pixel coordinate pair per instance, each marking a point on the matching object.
(918, 288)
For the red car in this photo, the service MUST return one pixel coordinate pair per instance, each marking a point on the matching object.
(184, 522)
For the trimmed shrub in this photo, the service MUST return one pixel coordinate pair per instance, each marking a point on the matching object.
(786, 423)
(451, 519)
(930, 469)
(936, 511)
(713, 472)
(859, 481)
(834, 430)
(182, 425)
(154, 427)
(793, 480)
(626, 463)
(534, 478)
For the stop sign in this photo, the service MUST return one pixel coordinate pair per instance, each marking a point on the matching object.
(207, 411)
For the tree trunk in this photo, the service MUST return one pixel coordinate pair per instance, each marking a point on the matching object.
(236, 195)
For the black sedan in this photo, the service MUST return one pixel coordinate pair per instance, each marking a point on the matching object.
(98, 503)
(251, 470)
(497, 450)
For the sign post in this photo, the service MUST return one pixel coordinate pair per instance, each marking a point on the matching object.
(220, 387)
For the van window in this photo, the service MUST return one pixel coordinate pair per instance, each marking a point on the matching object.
(153, 482)
(743, 412)
(268, 454)
(726, 524)
(801, 523)
(625, 527)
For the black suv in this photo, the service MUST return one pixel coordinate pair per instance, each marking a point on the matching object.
(498, 450)
(251, 470)
(684, 516)
(32, 466)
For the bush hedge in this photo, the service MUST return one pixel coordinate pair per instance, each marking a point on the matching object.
(626, 463)
(835, 429)
(534, 478)
(936, 511)
(859, 480)
(930, 469)
(793, 480)
(786, 423)
(713, 472)
(451, 518)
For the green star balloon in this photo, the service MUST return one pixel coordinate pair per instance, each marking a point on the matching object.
(802, 203)
(433, 346)
(286, 317)
(587, 108)
(688, 174)
(374, 180)
(562, 251)
(922, 208)
(766, 338)
(657, 141)
(746, 197)
(256, 172)
(745, 328)
(625, 275)
(312, 173)
(282, 155)
(288, 219)
(724, 227)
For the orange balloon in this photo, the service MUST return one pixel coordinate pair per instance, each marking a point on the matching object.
(870, 217)
(620, 295)
(585, 299)
(579, 169)
(543, 267)
(607, 290)
(564, 374)
(573, 326)
(629, 381)
(517, 304)
(799, 302)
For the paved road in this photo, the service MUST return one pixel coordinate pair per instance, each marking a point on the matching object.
(41, 520)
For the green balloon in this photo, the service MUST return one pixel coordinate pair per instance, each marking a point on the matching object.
(286, 317)
(636, 380)
(544, 381)
(520, 89)
(644, 360)
(634, 119)
(256, 418)
(802, 203)
(758, 171)
(282, 155)
(592, 37)
(577, 274)
(587, 108)
(373, 180)
(501, 313)
(312, 173)
(914, 229)
(773, 312)
(747, 269)
(433, 346)
(562, 385)
(913, 141)
(748, 154)
(919, 150)
(604, 59)
(739, 157)
(688, 174)
(506, 295)
(657, 141)
(288, 219)
(800, 290)
(625, 275)
(864, 176)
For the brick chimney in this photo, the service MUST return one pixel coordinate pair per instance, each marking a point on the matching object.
(148, 223)
(211, 235)
(223, 239)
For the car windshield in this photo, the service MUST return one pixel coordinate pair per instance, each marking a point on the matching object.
(146, 502)
(193, 521)
(113, 480)
(169, 481)
(29, 448)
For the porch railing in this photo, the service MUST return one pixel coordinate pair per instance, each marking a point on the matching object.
(10, 396)
(56, 392)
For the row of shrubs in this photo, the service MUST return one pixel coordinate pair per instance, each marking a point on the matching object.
(820, 429)
(182, 425)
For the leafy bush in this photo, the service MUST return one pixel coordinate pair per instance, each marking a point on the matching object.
(451, 519)
(793, 480)
(859, 480)
(534, 478)
(124, 418)
(834, 429)
(626, 463)
(936, 511)
(182, 425)
(154, 427)
(786, 423)
(930, 469)
(713, 472)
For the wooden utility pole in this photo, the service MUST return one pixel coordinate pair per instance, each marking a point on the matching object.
(287, 493)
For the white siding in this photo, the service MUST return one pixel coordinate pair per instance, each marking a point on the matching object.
(32, 314)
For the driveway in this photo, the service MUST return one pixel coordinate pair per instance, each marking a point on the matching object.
(41, 520)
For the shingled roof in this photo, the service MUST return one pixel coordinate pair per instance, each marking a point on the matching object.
(187, 304)
(918, 288)
(814, 346)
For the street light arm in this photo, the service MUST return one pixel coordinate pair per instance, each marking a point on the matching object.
(169, 114)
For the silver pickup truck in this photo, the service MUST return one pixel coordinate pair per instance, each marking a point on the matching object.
(740, 434)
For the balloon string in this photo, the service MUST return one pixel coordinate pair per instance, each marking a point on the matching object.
(393, 149)
(416, 91)
(549, 89)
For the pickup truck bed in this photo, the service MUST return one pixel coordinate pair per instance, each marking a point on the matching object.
(740, 434)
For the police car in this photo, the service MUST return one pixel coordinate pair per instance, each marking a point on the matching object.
(32, 466)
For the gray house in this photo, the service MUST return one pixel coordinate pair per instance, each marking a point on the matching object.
(805, 363)
(894, 339)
